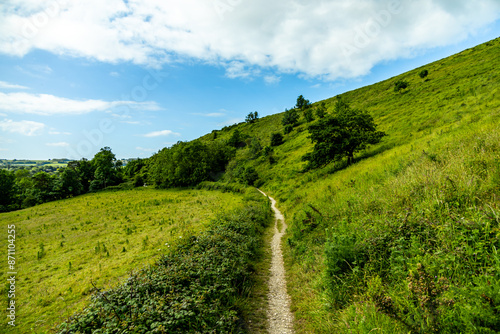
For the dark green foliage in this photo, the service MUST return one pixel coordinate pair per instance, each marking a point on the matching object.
(321, 110)
(252, 117)
(302, 103)
(7, 191)
(249, 176)
(188, 163)
(85, 170)
(191, 290)
(288, 128)
(69, 183)
(276, 139)
(236, 139)
(105, 174)
(308, 115)
(291, 117)
(43, 187)
(341, 135)
(422, 74)
(134, 168)
(401, 85)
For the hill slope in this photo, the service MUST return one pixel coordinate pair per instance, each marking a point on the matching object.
(421, 204)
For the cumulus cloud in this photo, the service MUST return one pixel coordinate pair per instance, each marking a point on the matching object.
(327, 39)
(26, 128)
(44, 104)
(161, 133)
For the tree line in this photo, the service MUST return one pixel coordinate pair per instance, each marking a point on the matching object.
(335, 135)
(182, 165)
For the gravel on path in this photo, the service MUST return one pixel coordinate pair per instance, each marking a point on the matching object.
(279, 315)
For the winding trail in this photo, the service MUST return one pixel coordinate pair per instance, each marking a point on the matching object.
(278, 312)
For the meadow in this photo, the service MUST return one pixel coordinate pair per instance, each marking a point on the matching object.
(66, 247)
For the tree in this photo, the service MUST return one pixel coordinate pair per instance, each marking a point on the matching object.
(321, 110)
(104, 164)
(85, 170)
(276, 139)
(236, 139)
(423, 73)
(291, 117)
(69, 183)
(43, 187)
(341, 135)
(188, 163)
(308, 115)
(7, 190)
(249, 176)
(252, 117)
(401, 85)
(302, 103)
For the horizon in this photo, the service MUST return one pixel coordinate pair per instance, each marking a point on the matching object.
(138, 78)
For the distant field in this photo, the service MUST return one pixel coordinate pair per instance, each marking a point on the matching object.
(63, 246)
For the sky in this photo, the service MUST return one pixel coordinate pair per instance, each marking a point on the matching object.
(140, 75)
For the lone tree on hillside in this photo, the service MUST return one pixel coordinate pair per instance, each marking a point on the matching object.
(400, 85)
(252, 117)
(340, 135)
(302, 103)
(276, 139)
(423, 73)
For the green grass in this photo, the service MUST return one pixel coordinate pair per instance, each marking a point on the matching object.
(134, 227)
(439, 163)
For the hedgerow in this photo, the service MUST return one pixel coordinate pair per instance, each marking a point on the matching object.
(193, 289)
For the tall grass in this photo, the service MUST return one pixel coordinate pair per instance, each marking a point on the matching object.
(421, 207)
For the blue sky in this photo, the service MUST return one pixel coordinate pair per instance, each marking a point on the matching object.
(139, 75)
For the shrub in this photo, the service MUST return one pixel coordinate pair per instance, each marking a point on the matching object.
(276, 139)
(401, 85)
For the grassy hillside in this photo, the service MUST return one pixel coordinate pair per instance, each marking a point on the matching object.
(403, 241)
(63, 246)
(422, 204)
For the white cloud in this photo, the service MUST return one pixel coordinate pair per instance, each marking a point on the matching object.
(213, 114)
(238, 69)
(44, 104)
(55, 132)
(144, 149)
(59, 144)
(231, 121)
(271, 79)
(6, 85)
(161, 133)
(26, 128)
(328, 39)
